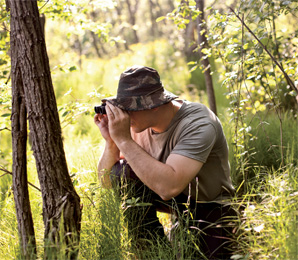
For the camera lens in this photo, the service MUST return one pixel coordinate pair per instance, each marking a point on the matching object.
(100, 109)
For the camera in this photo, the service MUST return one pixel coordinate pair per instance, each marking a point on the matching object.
(100, 109)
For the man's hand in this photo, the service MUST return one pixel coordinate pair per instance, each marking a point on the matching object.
(111, 152)
(118, 123)
(103, 124)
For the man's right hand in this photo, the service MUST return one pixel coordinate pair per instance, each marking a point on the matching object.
(103, 124)
(111, 153)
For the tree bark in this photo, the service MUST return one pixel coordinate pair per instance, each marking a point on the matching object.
(19, 171)
(203, 43)
(19, 167)
(61, 204)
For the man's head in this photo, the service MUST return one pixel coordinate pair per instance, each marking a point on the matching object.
(140, 88)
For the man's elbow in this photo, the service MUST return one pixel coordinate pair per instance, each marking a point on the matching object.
(169, 194)
(104, 179)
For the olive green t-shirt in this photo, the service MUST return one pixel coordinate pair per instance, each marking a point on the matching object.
(195, 132)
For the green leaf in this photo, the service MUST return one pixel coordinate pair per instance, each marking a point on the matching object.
(65, 113)
(193, 68)
(245, 46)
(72, 68)
(265, 40)
(6, 115)
(192, 63)
(159, 19)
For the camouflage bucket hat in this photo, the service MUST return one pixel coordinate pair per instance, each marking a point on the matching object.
(140, 88)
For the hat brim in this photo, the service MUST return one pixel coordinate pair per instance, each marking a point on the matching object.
(138, 103)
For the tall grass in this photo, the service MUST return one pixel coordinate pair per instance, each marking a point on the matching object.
(9, 241)
(270, 219)
(273, 140)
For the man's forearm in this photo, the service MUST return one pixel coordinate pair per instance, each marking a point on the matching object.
(108, 158)
(153, 173)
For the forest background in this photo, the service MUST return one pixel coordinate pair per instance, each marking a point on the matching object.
(251, 49)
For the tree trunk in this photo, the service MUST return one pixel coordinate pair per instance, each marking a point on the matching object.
(19, 171)
(203, 43)
(189, 34)
(171, 5)
(61, 204)
(132, 18)
(94, 42)
(152, 18)
(119, 7)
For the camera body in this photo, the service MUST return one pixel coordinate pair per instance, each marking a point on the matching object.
(100, 109)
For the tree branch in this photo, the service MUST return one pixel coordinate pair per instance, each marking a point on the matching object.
(8, 172)
(290, 82)
(5, 128)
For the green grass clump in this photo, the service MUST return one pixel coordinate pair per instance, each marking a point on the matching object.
(103, 235)
(270, 219)
(272, 140)
(9, 240)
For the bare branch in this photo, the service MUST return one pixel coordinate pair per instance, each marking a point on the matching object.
(5, 128)
(8, 79)
(8, 172)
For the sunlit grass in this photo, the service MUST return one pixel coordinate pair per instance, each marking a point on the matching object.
(9, 240)
(270, 219)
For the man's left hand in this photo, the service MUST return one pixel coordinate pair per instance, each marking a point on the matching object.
(119, 123)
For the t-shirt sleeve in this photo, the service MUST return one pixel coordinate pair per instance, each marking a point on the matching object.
(196, 141)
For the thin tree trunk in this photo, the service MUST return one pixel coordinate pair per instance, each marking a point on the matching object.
(132, 17)
(203, 43)
(19, 171)
(61, 204)
(152, 18)
(189, 37)
(119, 7)
(171, 5)
(94, 42)
(19, 167)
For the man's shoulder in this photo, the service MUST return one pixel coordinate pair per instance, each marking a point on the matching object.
(196, 111)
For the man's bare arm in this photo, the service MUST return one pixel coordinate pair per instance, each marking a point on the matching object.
(108, 158)
(166, 179)
(111, 152)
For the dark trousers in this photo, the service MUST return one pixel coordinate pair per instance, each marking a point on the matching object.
(211, 224)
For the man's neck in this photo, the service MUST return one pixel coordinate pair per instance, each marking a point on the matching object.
(165, 116)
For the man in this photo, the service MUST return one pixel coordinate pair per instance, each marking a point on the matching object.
(175, 154)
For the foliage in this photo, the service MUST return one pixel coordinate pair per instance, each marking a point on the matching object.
(182, 15)
(260, 134)
(247, 69)
(5, 93)
(255, 85)
(80, 20)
